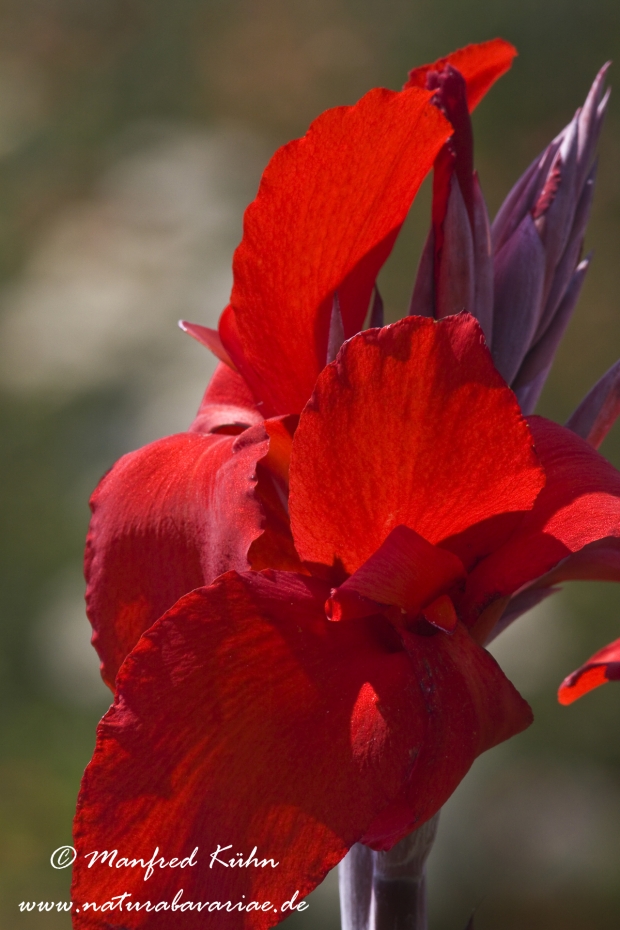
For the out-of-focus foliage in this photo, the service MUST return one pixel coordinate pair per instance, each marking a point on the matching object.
(132, 133)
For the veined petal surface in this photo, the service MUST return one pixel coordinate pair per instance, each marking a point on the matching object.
(410, 425)
(327, 213)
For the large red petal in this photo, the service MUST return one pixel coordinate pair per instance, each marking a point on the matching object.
(603, 666)
(411, 425)
(579, 506)
(326, 215)
(166, 519)
(244, 718)
(481, 65)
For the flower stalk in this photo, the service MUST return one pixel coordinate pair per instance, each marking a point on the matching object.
(387, 890)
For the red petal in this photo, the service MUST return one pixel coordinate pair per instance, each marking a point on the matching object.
(481, 65)
(604, 666)
(579, 506)
(227, 406)
(245, 717)
(166, 519)
(412, 425)
(326, 215)
(405, 571)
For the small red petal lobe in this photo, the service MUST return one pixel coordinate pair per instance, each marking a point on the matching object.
(481, 65)
(166, 519)
(579, 506)
(602, 667)
(327, 213)
(412, 426)
(441, 613)
(319, 733)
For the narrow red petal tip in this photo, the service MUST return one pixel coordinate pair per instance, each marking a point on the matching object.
(602, 667)
(210, 338)
(579, 683)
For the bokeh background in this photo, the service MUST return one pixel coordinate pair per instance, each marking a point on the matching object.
(132, 135)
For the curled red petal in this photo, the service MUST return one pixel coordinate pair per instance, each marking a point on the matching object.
(579, 506)
(166, 519)
(411, 425)
(327, 212)
(481, 65)
(602, 667)
(278, 730)
(274, 548)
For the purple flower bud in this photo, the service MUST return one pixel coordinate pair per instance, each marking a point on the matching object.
(455, 281)
(519, 281)
(532, 375)
(598, 411)
(522, 278)
(556, 193)
(483, 262)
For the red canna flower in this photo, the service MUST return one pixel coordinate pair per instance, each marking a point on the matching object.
(301, 712)
(291, 598)
(176, 514)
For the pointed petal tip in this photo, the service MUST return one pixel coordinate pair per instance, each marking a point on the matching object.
(209, 338)
(590, 676)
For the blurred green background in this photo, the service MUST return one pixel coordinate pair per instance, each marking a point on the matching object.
(132, 135)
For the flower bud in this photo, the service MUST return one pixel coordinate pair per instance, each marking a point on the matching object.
(521, 279)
